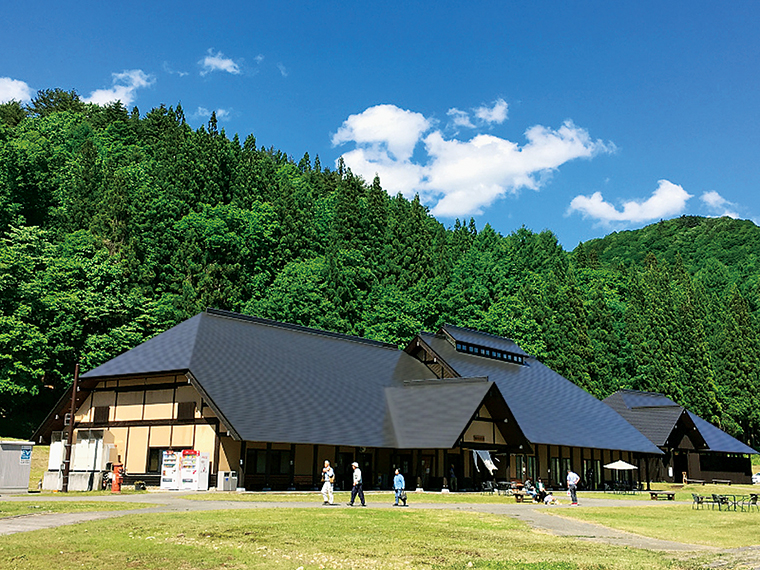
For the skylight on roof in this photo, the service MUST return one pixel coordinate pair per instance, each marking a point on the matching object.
(488, 352)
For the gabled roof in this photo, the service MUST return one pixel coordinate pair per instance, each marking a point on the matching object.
(655, 421)
(548, 408)
(433, 414)
(662, 420)
(276, 382)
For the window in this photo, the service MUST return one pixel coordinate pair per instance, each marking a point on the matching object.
(279, 461)
(520, 467)
(101, 414)
(556, 475)
(186, 411)
(532, 468)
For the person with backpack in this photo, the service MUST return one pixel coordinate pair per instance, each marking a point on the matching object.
(328, 478)
(398, 486)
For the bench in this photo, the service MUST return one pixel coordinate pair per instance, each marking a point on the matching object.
(695, 481)
(668, 495)
(519, 496)
(722, 481)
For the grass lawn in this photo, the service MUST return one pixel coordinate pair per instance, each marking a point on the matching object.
(683, 492)
(314, 539)
(343, 497)
(724, 529)
(15, 508)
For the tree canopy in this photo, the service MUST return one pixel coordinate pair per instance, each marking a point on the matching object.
(116, 226)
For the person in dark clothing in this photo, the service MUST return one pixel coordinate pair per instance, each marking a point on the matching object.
(357, 488)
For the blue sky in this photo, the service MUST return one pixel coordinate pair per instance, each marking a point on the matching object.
(578, 117)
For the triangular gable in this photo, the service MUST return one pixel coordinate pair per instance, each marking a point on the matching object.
(436, 414)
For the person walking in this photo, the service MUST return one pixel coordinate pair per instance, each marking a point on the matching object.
(572, 486)
(398, 486)
(357, 488)
(328, 478)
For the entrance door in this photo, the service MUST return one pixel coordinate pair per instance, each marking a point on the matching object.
(343, 471)
(680, 465)
(426, 470)
(368, 471)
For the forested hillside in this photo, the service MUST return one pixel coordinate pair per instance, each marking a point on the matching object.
(117, 225)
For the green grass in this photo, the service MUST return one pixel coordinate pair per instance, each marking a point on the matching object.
(16, 508)
(316, 538)
(342, 497)
(683, 492)
(681, 523)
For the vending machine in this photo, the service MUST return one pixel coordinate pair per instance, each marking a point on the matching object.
(171, 466)
(194, 470)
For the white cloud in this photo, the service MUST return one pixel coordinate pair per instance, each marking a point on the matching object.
(221, 114)
(283, 70)
(14, 90)
(168, 69)
(667, 200)
(460, 118)
(125, 84)
(457, 177)
(484, 116)
(384, 129)
(718, 204)
(496, 114)
(217, 62)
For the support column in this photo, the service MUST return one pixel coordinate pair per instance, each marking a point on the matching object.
(243, 466)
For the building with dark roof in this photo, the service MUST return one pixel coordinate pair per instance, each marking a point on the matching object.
(271, 401)
(692, 448)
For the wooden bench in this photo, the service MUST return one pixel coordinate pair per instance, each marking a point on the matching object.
(668, 495)
(722, 481)
(695, 481)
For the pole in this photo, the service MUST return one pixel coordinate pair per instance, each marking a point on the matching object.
(69, 438)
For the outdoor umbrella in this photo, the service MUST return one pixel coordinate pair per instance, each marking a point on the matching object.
(620, 465)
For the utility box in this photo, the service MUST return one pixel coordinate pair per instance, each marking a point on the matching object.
(226, 481)
(15, 466)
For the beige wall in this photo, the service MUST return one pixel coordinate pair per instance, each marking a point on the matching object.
(148, 406)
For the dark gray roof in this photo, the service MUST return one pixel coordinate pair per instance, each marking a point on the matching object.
(655, 422)
(433, 414)
(488, 340)
(634, 399)
(548, 408)
(281, 383)
(169, 351)
(656, 416)
(718, 440)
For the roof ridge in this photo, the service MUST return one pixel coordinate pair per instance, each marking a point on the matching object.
(299, 328)
(480, 332)
(458, 380)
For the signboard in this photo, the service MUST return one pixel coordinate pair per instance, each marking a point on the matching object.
(26, 455)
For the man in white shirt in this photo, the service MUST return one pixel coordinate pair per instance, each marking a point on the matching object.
(572, 486)
(357, 489)
(328, 478)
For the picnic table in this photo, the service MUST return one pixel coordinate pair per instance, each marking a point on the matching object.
(657, 495)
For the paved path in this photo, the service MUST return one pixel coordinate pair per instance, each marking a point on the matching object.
(537, 516)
